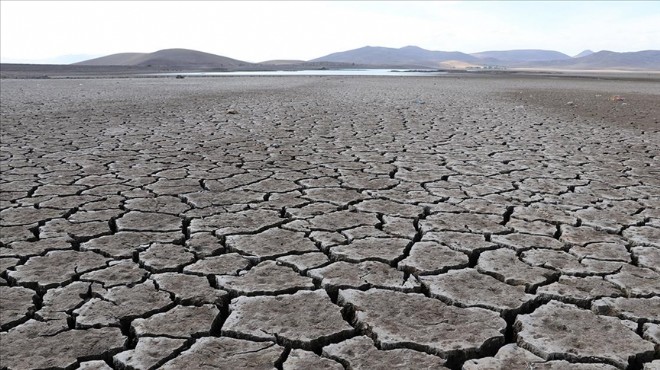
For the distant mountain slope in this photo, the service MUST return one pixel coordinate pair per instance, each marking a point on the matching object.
(584, 53)
(165, 58)
(525, 55)
(647, 60)
(408, 55)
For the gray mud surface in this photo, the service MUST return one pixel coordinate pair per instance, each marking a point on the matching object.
(498, 222)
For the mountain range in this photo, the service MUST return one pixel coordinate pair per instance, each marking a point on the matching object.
(405, 57)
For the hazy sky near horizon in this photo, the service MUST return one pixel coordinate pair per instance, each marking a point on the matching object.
(257, 31)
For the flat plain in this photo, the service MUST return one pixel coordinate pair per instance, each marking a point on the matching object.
(474, 222)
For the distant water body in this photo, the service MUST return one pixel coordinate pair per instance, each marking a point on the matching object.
(317, 72)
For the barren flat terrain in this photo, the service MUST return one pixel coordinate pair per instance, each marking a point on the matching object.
(493, 222)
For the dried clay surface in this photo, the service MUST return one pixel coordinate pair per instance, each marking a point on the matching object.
(462, 221)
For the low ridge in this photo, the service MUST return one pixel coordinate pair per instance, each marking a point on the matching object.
(166, 58)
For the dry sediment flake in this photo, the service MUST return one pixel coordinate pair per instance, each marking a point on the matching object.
(464, 222)
(469, 288)
(522, 242)
(164, 204)
(362, 232)
(399, 227)
(560, 331)
(27, 215)
(342, 220)
(472, 244)
(125, 244)
(28, 249)
(165, 257)
(248, 221)
(562, 364)
(336, 196)
(636, 281)
(179, 322)
(122, 272)
(267, 278)
(204, 244)
(410, 320)
(652, 333)
(569, 264)
(303, 262)
(310, 210)
(606, 219)
(532, 227)
(299, 359)
(643, 235)
(58, 190)
(270, 243)
(55, 268)
(389, 208)
(432, 258)
(654, 365)
(635, 309)
(226, 198)
(579, 290)
(360, 353)
(58, 302)
(211, 353)
(363, 275)
(508, 357)
(648, 257)
(544, 212)
(580, 236)
(71, 231)
(15, 304)
(513, 357)
(6, 263)
(385, 250)
(94, 365)
(148, 221)
(504, 265)
(12, 234)
(189, 289)
(36, 345)
(120, 303)
(305, 319)
(327, 239)
(602, 251)
(224, 264)
(149, 352)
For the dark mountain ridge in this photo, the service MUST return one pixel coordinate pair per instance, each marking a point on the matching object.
(408, 55)
(639, 60)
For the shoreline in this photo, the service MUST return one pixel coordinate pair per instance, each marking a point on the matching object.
(44, 71)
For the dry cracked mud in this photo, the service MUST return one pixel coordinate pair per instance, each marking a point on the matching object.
(459, 222)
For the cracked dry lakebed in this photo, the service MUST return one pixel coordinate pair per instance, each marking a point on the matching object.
(448, 222)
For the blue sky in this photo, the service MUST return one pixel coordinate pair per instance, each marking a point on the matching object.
(257, 31)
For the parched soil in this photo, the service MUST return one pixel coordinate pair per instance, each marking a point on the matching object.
(474, 222)
(619, 103)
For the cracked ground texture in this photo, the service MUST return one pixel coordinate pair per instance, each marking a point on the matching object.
(330, 223)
